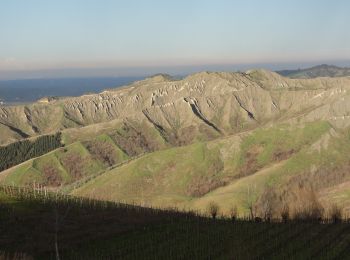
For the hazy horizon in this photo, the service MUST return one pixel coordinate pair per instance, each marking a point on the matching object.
(148, 71)
(43, 39)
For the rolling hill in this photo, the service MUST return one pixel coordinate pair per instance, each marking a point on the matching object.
(256, 141)
(323, 70)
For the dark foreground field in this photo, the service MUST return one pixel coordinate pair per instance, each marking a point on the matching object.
(40, 225)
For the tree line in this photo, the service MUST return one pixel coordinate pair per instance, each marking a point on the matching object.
(18, 152)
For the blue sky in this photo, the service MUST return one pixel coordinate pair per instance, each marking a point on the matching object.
(132, 36)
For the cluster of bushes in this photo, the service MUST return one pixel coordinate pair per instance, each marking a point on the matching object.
(313, 213)
(21, 151)
(51, 176)
(74, 163)
(103, 151)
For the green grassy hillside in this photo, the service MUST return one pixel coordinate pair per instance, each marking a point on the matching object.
(277, 165)
(87, 152)
(66, 164)
(192, 176)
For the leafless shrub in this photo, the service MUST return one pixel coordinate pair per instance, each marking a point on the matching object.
(133, 141)
(201, 185)
(251, 162)
(266, 206)
(250, 201)
(233, 213)
(102, 151)
(280, 155)
(285, 214)
(311, 209)
(258, 220)
(335, 213)
(74, 163)
(213, 209)
(51, 176)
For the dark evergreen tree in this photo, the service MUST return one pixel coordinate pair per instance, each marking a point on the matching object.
(21, 151)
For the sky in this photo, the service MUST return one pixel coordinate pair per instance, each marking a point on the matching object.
(42, 38)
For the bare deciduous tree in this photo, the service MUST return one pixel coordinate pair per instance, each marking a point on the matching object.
(285, 213)
(233, 213)
(266, 204)
(335, 213)
(249, 200)
(103, 151)
(213, 209)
